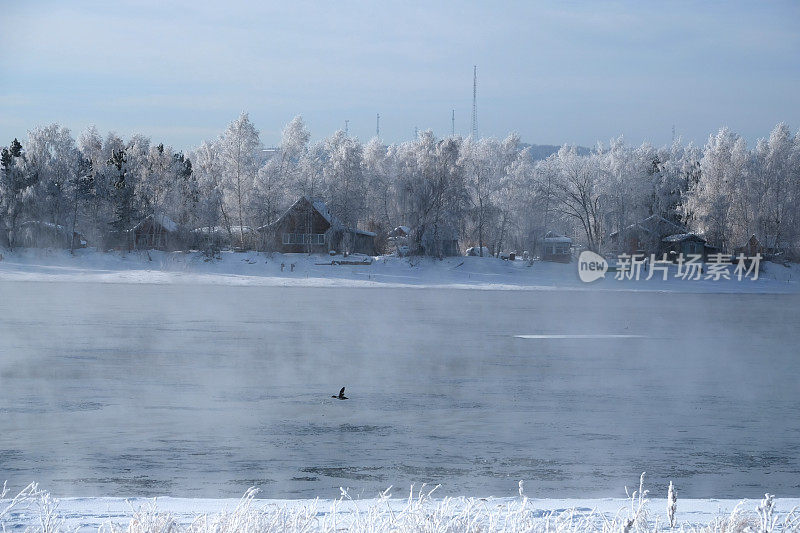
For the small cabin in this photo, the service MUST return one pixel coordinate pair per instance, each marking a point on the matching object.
(751, 248)
(400, 232)
(556, 247)
(643, 237)
(38, 234)
(308, 226)
(683, 243)
(155, 232)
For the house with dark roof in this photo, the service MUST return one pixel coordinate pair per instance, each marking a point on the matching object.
(686, 244)
(555, 247)
(155, 232)
(643, 237)
(309, 226)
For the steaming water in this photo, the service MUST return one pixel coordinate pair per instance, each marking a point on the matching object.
(203, 391)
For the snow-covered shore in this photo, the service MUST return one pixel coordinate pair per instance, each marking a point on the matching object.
(254, 268)
(418, 512)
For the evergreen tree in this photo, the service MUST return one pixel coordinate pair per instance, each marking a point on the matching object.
(123, 197)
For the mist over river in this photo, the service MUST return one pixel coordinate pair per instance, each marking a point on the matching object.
(205, 390)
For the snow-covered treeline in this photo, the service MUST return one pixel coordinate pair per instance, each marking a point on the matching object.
(488, 192)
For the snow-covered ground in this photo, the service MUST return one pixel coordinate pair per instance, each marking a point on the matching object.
(254, 268)
(420, 511)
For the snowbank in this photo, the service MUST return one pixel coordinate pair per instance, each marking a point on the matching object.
(420, 511)
(253, 268)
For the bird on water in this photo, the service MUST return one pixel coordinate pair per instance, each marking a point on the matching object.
(341, 395)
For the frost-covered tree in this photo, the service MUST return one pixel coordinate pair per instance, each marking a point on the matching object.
(210, 207)
(52, 155)
(343, 177)
(186, 193)
(240, 153)
(90, 145)
(270, 195)
(156, 179)
(382, 209)
(483, 167)
(774, 178)
(718, 201)
(434, 194)
(577, 186)
(122, 195)
(17, 182)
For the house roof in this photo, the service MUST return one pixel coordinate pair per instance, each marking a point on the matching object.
(399, 231)
(162, 220)
(552, 237)
(680, 237)
(321, 208)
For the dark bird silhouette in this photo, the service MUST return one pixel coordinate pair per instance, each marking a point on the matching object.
(341, 395)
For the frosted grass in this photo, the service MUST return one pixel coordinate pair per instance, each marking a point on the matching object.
(36, 511)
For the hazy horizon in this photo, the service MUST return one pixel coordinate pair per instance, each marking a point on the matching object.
(555, 73)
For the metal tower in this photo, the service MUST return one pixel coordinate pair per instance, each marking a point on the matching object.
(475, 103)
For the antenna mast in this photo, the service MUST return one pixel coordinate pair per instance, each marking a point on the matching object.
(453, 124)
(475, 103)
(347, 128)
(378, 126)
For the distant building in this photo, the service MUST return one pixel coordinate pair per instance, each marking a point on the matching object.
(309, 226)
(682, 243)
(751, 248)
(155, 233)
(555, 247)
(399, 239)
(400, 232)
(38, 234)
(643, 237)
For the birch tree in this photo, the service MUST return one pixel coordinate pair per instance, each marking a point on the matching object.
(240, 152)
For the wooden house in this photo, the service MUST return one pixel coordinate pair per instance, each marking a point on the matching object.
(643, 237)
(38, 234)
(439, 241)
(751, 248)
(683, 243)
(555, 247)
(399, 239)
(309, 226)
(154, 233)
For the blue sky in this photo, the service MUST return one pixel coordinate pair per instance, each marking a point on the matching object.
(554, 72)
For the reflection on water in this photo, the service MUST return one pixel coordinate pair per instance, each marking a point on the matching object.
(204, 391)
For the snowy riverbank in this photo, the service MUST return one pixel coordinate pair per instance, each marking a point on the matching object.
(420, 511)
(254, 268)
